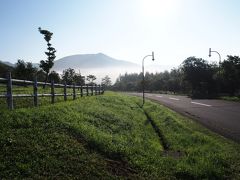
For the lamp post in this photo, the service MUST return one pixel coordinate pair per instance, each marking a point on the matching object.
(210, 51)
(143, 83)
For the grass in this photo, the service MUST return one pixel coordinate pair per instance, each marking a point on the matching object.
(108, 137)
(20, 102)
(231, 98)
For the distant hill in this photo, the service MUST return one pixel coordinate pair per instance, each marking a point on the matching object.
(4, 68)
(7, 63)
(91, 61)
(99, 65)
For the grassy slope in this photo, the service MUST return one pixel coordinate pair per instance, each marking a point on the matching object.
(203, 153)
(111, 136)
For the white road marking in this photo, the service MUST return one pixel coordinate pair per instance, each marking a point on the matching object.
(201, 104)
(174, 99)
(159, 96)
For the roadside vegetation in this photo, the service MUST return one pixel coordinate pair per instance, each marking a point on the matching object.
(231, 98)
(111, 136)
(194, 76)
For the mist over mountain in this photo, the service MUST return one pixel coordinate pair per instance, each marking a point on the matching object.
(99, 65)
(90, 61)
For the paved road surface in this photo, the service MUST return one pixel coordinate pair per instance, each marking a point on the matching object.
(220, 116)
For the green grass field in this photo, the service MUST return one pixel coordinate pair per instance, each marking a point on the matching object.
(111, 136)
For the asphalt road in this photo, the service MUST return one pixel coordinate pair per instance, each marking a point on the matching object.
(221, 116)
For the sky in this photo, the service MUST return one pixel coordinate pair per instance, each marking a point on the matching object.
(123, 29)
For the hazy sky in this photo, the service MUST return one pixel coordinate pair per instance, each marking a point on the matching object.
(123, 29)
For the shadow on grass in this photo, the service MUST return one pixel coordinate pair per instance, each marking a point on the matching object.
(116, 164)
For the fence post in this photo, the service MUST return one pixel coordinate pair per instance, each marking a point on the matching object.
(92, 90)
(95, 89)
(81, 91)
(9, 92)
(74, 92)
(99, 89)
(52, 91)
(87, 90)
(65, 91)
(102, 89)
(35, 92)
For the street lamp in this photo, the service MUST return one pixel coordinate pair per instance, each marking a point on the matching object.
(143, 83)
(210, 51)
(218, 74)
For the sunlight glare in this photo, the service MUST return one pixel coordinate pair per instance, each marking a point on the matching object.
(157, 9)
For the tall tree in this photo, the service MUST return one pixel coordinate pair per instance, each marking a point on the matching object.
(47, 64)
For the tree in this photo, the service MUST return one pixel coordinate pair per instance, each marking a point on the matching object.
(231, 74)
(106, 82)
(54, 76)
(128, 82)
(24, 70)
(70, 77)
(79, 79)
(19, 70)
(91, 78)
(46, 65)
(41, 75)
(199, 74)
(175, 80)
(30, 71)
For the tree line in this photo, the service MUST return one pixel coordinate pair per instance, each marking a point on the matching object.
(195, 76)
(26, 71)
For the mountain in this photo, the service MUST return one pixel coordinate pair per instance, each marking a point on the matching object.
(4, 68)
(7, 63)
(99, 65)
(91, 61)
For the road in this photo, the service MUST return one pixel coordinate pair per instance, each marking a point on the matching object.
(221, 116)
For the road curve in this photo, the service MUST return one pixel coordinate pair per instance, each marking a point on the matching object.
(221, 116)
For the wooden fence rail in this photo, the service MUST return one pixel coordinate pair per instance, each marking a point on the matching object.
(9, 87)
